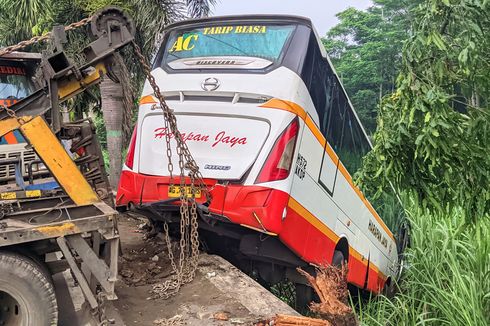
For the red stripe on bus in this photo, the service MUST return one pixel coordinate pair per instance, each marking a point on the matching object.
(301, 231)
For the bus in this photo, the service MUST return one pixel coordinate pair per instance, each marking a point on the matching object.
(276, 138)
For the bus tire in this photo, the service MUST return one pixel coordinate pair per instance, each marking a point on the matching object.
(26, 293)
(304, 296)
(390, 289)
(338, 258)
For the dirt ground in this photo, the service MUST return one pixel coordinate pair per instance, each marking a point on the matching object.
(219, 295)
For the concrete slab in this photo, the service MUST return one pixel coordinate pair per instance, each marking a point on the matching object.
(219, 295)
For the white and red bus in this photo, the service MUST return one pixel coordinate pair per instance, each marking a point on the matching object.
(276, 139)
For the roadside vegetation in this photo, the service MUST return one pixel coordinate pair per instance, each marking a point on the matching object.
(431, 135)
(447, 280)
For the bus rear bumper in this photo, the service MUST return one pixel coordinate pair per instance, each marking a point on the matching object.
(256, 207)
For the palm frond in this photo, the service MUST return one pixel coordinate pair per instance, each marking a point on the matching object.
(200, 8)
(21, 19)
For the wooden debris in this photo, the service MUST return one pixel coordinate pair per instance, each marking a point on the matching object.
(176, 320)
(330, 284)
(221, 316)
(284, 320)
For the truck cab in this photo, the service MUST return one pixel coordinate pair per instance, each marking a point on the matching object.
(17, 81)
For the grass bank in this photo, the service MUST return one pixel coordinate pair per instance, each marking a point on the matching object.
(448, 278)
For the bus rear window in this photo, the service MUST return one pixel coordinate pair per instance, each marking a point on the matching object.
(253, 46)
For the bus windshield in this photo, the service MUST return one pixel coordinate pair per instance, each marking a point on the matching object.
(249, 46)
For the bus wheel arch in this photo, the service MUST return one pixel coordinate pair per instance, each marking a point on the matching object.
(387, 283)
(390, 288)
(341, 252)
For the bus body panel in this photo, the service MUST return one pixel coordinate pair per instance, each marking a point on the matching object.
(231, 83)
(215, 141)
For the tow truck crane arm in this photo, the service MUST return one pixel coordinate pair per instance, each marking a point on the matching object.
(38, 219)
(63, 80)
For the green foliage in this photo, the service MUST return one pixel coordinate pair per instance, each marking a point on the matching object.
(285, 291)
(100, 129)
(433, 137)
(447, 281)
(94, 5)
(21, 19)
(432, 142)
(365, 48)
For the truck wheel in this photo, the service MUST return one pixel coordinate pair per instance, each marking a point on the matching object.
(27, 295)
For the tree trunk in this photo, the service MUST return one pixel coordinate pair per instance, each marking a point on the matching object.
(112, 109)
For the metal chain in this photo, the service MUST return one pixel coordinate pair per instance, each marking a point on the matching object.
(10, 112)
(185, 269)
(169, 116)
(99, 312)
(38, 39)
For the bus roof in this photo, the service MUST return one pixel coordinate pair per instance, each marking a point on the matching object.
(264, 18)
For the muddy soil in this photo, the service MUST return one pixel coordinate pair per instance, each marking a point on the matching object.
(144, 260)
(212, 298)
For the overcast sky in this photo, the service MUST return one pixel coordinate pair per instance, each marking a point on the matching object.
(321, 12)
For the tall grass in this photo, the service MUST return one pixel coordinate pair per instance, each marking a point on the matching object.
(447, 281)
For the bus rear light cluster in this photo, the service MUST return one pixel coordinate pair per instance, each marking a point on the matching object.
(132, 144)
(278, 163)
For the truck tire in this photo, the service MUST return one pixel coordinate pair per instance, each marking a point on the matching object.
(27, 294)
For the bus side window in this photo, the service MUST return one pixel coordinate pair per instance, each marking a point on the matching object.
(354, 144)
(320, 81)
(336, 116)
(328, 92)
(333, 133)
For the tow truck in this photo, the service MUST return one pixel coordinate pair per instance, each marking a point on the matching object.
(56, 205)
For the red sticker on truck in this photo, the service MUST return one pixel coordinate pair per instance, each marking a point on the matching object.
(7, 70)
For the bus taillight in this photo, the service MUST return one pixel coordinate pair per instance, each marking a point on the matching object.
(278, 163)
(132, 144)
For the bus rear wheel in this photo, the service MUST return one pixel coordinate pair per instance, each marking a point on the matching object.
(390, 288)
(338, 259)
(27, 296)
(305, 294)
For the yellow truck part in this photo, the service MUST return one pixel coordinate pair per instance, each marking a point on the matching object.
(55, 157)
(38, 134)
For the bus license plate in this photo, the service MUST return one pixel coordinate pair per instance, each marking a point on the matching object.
(174, 191)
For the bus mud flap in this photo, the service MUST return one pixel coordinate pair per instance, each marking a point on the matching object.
(268, 249)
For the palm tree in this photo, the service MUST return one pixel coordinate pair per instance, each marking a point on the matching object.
(118, 100)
